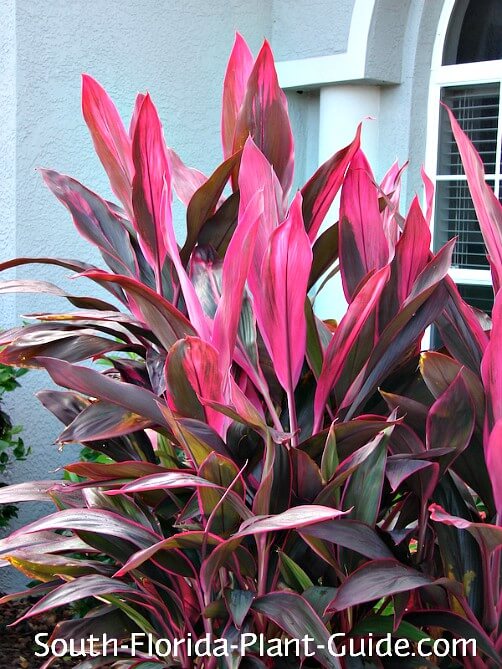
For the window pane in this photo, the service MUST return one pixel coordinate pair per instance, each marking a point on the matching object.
(476, 108)
(455, 217)
(474, 33)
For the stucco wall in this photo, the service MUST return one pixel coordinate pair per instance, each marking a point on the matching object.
(308, 28)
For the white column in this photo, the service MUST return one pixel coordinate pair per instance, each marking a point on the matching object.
(341, 109)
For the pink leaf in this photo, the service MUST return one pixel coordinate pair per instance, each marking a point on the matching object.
(489, 536)
(256, 173)
(152, 167)
(412, 250)
(363, 245)
(239, 68)
(280, 301)
(134, 118)
(110, 138)
(264, 116)
(292, 519)
(235, 271)
(391, 187)
(186, 180)
(345, 338)
(488, 208)
(429, 195)
(201, 366)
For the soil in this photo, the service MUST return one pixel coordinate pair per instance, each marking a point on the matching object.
(17, 643)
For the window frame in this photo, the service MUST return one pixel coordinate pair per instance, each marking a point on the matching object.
(443, 76)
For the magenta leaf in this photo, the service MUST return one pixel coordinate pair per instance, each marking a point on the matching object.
(151, 171)
(200, 365)
(391, 188)
(186, 180)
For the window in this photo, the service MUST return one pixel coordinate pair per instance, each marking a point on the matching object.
(467, 76)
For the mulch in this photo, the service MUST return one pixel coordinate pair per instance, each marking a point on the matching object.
(17, 643)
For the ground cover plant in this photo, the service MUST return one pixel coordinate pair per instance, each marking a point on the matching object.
(12, 447)
(260, 470)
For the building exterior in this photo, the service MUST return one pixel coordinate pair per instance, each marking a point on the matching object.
(339, 61)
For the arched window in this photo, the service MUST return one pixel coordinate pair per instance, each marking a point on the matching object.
(467, 76)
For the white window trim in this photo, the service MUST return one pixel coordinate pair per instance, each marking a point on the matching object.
(451, 75)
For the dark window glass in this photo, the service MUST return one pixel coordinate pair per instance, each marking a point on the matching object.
(474, 33)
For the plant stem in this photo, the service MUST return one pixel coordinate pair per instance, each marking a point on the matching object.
(158, 278)
(422, 530)
(293, 423)
(263, 558)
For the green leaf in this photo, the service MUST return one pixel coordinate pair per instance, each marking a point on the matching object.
(293, 574)
(368, 477)
(238, 604)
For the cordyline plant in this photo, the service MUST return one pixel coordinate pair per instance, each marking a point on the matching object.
(265, 472)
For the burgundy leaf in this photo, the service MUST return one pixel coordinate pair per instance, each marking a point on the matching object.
(95, 221)
(374, 580)
(297, 618)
